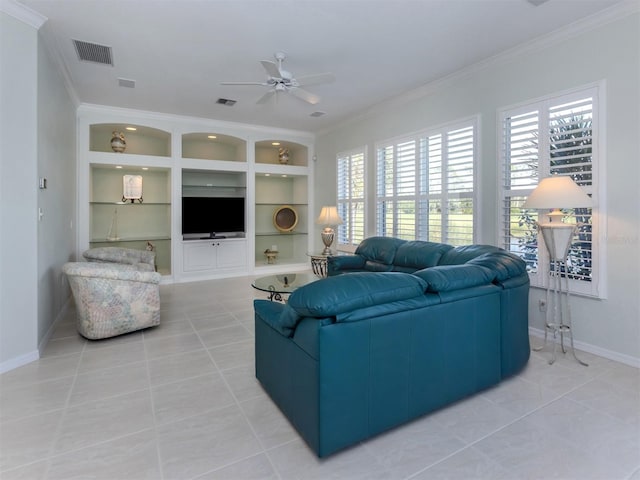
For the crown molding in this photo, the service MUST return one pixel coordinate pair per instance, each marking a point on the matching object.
(22, 13)
(172, 119)
(617, 12)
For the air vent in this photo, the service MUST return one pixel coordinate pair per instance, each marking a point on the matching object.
(92, 52)
(226, 101)
(125, 82)
(317, 114)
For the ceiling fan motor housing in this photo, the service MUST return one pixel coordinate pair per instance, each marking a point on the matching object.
(281, 80)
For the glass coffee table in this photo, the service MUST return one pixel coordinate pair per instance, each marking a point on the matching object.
(284, 283)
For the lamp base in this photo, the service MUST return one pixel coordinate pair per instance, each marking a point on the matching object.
(557, 238)
(327, 235)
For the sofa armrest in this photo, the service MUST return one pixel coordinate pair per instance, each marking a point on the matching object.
(342, 263)
(447, 278)
(504, 264)
(113, 271)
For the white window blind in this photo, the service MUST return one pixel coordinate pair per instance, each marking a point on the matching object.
(426, 185)
(553, 136)
(351, 196)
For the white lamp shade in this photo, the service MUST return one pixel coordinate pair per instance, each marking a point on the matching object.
(329, 216)
(557, 192)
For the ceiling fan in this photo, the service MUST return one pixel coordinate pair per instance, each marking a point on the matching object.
(281, 81)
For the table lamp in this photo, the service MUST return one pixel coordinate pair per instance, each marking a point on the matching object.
(330, 218)
(554, 193)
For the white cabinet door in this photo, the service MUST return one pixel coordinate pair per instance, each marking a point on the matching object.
(213, 254)
(231, 253)
(199, 256)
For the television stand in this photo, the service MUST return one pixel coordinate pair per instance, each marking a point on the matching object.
(213, 236)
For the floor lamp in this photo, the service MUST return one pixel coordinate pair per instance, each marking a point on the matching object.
(554, 193)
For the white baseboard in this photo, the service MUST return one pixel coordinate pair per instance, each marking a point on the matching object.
(19, 361)
(52, 327)
(587, 347)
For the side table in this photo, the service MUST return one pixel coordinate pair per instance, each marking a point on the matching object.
(319, 262)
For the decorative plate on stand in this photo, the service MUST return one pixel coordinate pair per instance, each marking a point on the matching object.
(285, 218)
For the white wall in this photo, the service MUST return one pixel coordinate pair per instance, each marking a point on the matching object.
(56, 163)
(38, 140)
(18, 192)
(607, 51)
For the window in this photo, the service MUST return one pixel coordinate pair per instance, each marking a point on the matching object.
(426, 185)
(351, 197)
(553, 136)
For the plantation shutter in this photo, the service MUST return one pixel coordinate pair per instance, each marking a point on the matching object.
(426, 186)
(551, 137)
(520, 177)
(458, 227)
(350, 189)
(571, 154)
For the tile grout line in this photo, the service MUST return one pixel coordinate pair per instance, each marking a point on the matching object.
(65, 411)
(237, 403)
(514, 421)
(153, 408)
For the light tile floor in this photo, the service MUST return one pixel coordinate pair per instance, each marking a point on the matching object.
(180, 401)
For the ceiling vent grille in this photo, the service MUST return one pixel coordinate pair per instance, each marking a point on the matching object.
(92, 52)
(127, 83)
(226, 101)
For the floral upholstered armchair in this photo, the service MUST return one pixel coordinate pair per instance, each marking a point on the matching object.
(113, 298)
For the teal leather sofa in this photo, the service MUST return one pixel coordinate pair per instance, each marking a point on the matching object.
(351, 356)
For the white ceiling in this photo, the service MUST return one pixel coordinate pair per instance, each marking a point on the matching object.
(178, 51)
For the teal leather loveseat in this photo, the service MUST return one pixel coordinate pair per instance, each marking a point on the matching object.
(351, 356)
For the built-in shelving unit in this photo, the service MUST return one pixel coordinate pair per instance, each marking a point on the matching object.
(286, 184)
(113, 222)
(179, 157)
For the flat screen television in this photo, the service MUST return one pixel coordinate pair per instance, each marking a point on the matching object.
(205, 216)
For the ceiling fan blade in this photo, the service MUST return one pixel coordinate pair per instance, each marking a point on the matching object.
(244, 83)
(266, 97)
(316, 79)
(271, 68)
(304, 95)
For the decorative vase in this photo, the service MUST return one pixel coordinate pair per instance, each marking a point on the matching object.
(283, 155)
(118, 143)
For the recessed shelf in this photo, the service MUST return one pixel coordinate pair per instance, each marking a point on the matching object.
(142, 141)
(268, 153)
(213, 146)
(140, 238)
(276, 233)
(129, 204)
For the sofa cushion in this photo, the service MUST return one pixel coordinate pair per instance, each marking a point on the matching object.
(504, 264)
(334, 295)
(416, 255)
(111, 271)
(379, 250)
(455, 277)
(129, 256)
(462, 254)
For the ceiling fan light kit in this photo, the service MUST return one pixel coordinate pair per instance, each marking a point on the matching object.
(280, 80)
